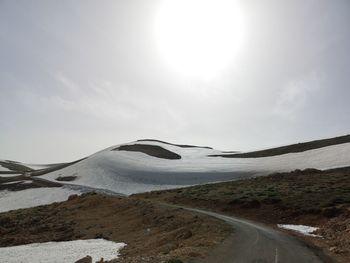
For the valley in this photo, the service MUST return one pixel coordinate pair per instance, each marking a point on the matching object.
(158, 198)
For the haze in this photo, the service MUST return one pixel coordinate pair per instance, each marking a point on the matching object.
(79, 76)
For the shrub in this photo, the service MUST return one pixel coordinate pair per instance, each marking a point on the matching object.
(331, 212)
(251, 204)
(175, 260)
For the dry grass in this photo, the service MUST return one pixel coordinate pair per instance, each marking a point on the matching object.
(153, 232)
(310, 197)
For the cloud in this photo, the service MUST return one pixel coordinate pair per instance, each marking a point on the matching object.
(97, 98)
(114, 103)
(66, 83)
(295, 95)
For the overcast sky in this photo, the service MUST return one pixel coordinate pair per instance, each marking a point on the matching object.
(79, 76)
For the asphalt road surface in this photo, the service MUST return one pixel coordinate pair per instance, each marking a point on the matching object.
(255, 243)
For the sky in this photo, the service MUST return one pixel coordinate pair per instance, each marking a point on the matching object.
(79, 76)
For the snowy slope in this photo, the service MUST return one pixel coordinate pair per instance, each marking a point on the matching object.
(130, 172)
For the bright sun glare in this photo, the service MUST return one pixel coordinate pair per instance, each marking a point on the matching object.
(199, 37)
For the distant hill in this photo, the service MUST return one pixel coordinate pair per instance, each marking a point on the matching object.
(293, 148)
(146, 165)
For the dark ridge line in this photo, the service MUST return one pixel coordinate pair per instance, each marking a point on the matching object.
(15, 166)
(10, 161)
(178, 145)
(21, 168)
(152, 150)
(10, 172)
(54, 168)
(293, 148)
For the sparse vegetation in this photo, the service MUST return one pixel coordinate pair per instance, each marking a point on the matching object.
(152, 232)
(299, 192)
(310, 197)
(175, 261)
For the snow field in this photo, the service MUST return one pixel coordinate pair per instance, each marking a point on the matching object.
(11, 200)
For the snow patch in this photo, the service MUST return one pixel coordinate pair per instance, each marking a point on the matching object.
(27, 182)
(11, 200)
(57, 252)
(10, 175)
(306, 230)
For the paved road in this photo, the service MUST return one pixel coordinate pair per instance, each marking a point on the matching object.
(251, 242)
(255, 243)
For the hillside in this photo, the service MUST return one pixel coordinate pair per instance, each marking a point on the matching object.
(153, 233)
(147, 165)
(293, 148)
(310, 187)
(308, 197)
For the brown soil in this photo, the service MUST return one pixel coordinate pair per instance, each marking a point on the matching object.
(309, 197)
(336, 233)
(153, 233)
(152, 150)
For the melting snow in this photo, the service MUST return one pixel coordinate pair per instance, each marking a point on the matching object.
(306, 230)
(11, 200)
(10, 175)
(131, 172)
(4, 169)
(27, 182)
(56, 252)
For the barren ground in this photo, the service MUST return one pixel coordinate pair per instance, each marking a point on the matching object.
(153, 233)
(309, 197)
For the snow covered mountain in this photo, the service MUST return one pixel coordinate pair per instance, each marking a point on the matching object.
(146, 165)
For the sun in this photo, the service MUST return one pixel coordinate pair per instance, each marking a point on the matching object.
(199, 37)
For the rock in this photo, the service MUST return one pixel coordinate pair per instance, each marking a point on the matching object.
(332, 248)
(86, 259)
(336, 250)
(72, 197)
(184, 235)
